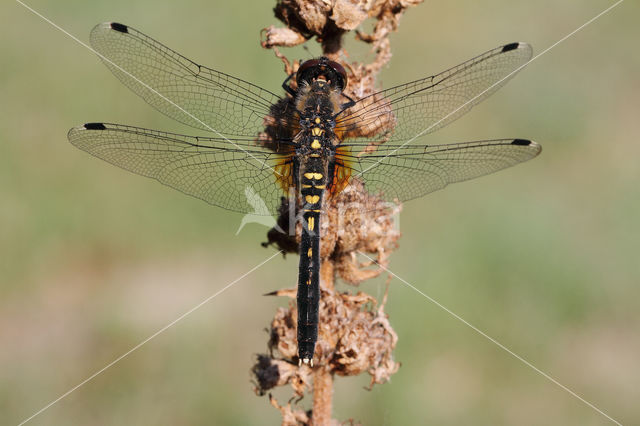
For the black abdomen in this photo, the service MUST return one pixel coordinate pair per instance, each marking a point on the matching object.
(312, 189)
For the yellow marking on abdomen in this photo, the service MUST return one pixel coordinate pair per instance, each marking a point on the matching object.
(312, 199)
(315, 144)
(309, 253)
(312, 223)
(316, 131)
(311, 175)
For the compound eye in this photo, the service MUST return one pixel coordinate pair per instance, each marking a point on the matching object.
(306, 71)
(341, 73)
(322, 67)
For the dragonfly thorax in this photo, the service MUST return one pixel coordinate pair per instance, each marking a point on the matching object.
(317, 99)
(317, 122)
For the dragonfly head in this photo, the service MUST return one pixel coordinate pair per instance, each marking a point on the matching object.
(322, 71)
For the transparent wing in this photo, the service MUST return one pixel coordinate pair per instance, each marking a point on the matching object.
(414, 171)
(185, 91)
(405, 112)
(249, 179)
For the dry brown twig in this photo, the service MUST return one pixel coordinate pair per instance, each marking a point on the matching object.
(355, 335)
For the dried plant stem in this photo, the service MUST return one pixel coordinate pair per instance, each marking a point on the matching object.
(327, 273)
(323, 377)
(322, 397)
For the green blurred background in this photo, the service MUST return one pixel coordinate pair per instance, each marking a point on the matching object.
(544, 257)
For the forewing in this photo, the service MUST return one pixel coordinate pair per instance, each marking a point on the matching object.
(415, 171)
(185, 91)
(408, 111)
(242, 179)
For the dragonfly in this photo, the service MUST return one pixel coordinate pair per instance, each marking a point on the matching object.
(306, 144)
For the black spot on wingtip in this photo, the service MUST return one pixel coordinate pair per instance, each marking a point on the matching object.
(119, 27)
(510, 46)
(94, 126)
(521, 142)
